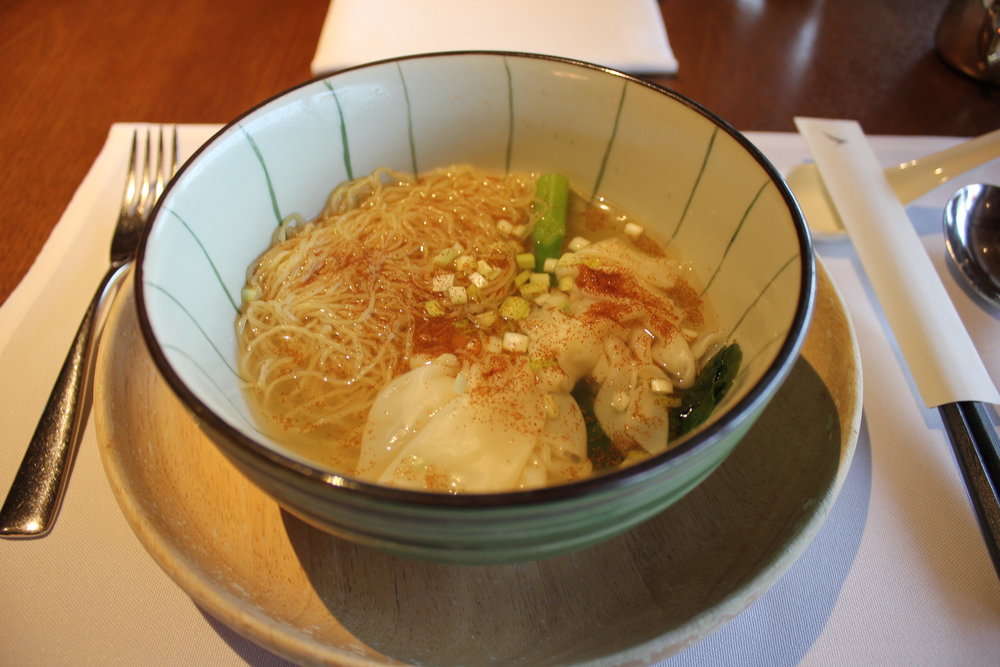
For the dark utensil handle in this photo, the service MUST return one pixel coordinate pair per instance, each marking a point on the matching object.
(971, 439)
(985, 436)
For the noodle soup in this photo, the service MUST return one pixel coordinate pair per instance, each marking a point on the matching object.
(467, 332)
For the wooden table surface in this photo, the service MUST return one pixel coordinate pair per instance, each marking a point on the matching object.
(70, 68)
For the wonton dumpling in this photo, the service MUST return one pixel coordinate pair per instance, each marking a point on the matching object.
(402, 408)
(478, 442)
(674, 356)
(564, 440)
(564, 348)
(637, 281)
(656, 272)
(625, 404)
(560, 455)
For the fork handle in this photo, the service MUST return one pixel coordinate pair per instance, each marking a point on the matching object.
(37, 490)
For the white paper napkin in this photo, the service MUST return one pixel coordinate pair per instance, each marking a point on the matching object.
(628, 35)
(938, 349)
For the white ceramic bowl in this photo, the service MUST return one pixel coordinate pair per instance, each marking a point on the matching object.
(669, 162)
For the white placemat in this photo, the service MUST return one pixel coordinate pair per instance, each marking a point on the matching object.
(628, 35)
(897, 575)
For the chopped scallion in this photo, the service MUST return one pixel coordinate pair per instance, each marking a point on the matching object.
(445, 258)
(434, 308)
(525, 260)
(515, 342)
(514, 308)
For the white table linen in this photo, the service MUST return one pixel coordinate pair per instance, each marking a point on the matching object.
(897, 575)
(628, 35)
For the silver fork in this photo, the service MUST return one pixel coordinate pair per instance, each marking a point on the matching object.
(36, 494)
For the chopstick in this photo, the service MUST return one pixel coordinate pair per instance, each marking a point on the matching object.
(986, 437)
(932, 337)
(977, 449)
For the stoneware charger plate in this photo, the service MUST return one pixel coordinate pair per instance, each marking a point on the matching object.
(317, 599)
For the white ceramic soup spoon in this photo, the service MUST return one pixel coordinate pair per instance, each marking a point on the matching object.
(909, 180)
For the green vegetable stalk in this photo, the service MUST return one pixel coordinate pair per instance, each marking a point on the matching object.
(550, 229)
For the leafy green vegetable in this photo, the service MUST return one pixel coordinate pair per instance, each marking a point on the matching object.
(600, 450)
(711, 385)
(696, 404)
(549, 232)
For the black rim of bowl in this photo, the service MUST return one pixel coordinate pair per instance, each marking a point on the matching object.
(607, 481)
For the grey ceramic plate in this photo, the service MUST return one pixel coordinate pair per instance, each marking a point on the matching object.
(636, 598)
